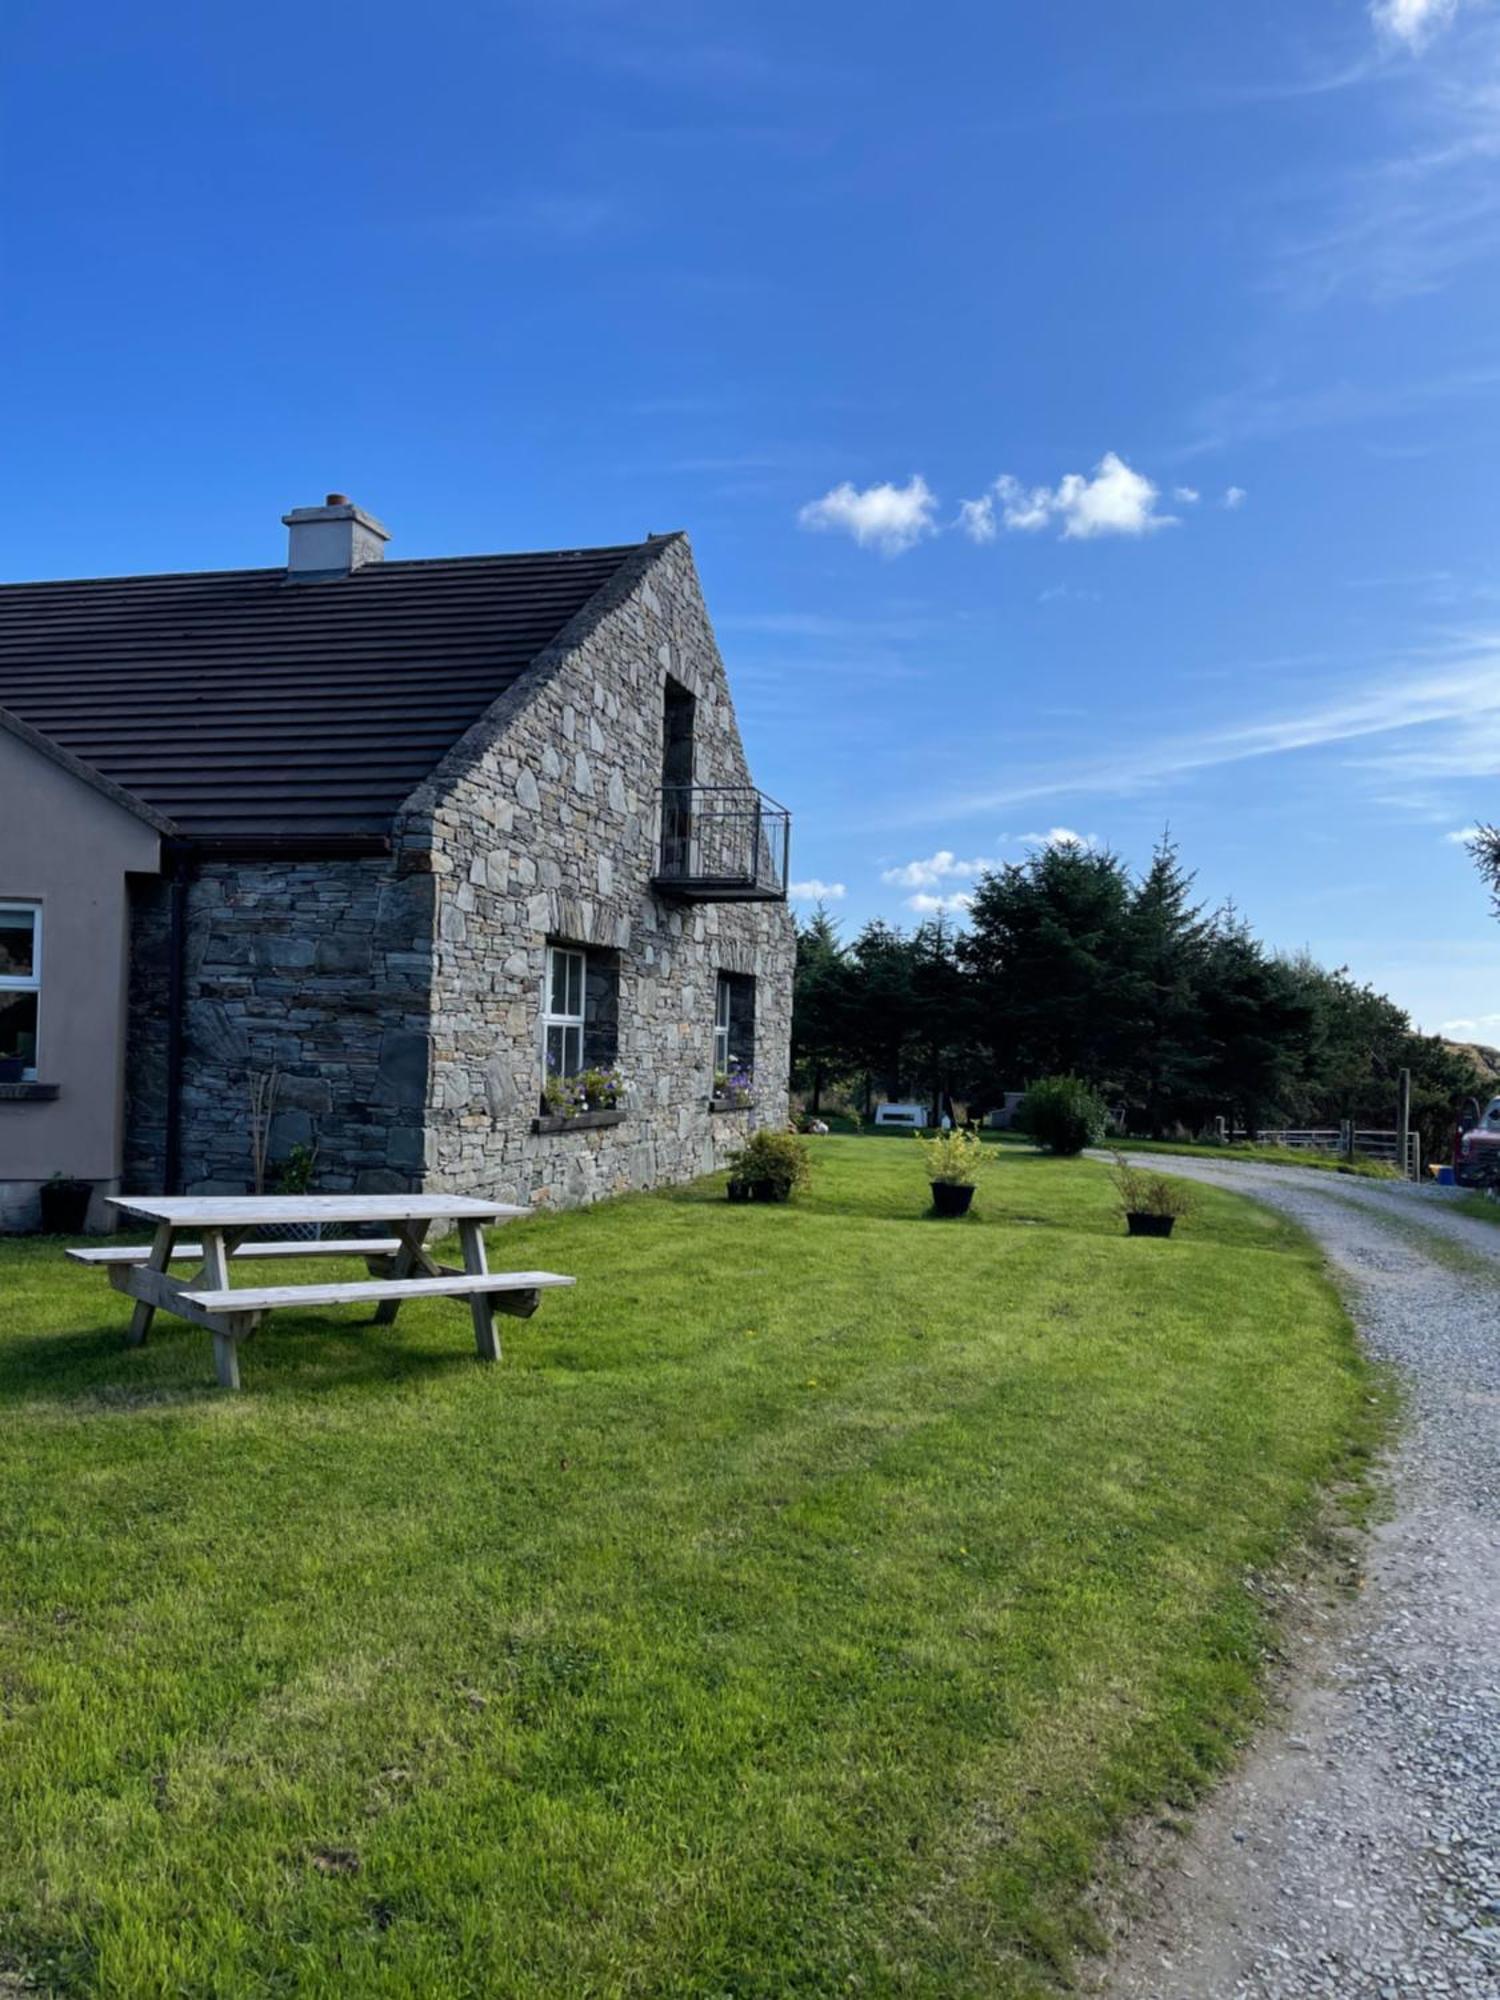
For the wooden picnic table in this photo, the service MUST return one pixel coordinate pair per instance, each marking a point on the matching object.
(399, 1262)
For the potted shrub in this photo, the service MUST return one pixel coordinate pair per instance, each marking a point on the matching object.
(65, 1205)
(1150, 1203)
(1063, 1114)
(770, 1166)
(953, 1162)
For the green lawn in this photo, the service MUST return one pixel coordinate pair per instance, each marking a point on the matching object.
(796, 1610)
(1484, 1206)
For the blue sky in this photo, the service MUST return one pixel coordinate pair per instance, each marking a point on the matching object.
(1084, 415)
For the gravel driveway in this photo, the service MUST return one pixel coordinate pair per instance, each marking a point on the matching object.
(1356, 1852)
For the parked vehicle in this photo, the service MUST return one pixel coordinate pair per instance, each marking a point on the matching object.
(1476, 1156)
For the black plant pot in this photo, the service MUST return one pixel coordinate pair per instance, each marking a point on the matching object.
(1150, 1225)
(65, 1207)
(948, 1198)
(739, 1190)
(767, 1191)
(12, 1069)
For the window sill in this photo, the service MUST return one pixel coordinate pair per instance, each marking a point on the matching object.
(727, 1104)
(584, 1121)
(27, 1093)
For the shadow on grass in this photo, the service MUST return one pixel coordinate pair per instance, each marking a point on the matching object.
(95, 1367)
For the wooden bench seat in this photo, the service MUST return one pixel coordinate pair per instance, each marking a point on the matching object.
(192, 1253)
(374, 1291)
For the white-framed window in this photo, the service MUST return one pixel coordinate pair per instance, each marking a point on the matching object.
(20, 983)
(734, 1025)
(722, 1001)
(562, 1011)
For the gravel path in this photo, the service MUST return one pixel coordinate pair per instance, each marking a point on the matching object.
(1356, 1852)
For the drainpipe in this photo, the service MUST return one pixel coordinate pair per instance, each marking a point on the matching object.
(181, 859)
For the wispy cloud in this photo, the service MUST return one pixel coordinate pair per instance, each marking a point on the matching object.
(1481, 1028)
(1462, 835)
(1413, 22)
(889, 518)
(1410, 221)
(1234, 498)
(1423, 722)
(927, 905)
(816, 891)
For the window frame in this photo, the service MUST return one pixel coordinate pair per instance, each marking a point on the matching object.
(568, 1023)
(723, 1021)
(13, 982)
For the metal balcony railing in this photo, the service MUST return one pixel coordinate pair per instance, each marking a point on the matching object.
(722, 844)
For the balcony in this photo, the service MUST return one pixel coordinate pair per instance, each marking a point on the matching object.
(722, 844)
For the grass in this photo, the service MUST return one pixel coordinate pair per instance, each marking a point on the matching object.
(1484, 1206)
(799, 1609)
(1275, 1156)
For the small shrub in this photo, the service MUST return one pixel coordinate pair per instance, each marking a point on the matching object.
(298, 1170)
(953, 1157)
(1064, 1114)
(1144, 1193)
(776, 1160)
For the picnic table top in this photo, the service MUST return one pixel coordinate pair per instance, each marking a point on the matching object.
(216, 1211)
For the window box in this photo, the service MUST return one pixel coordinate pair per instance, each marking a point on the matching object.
(729, 1104)
(582, 1121)
(28, 1092)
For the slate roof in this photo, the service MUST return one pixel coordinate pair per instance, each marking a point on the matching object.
(249, 710)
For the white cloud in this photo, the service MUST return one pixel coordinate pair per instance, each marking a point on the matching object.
(814, 891)
(886, 517)
(931, 906)
(1462, 835)
(940, 867)
(1412, 21)
(1059, 836)
(1234, 498)
(1188, 496)
(977, 518)
(1477, 1028)
(1117, 500)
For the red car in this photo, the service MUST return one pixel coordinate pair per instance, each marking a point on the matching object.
(1476, 1159)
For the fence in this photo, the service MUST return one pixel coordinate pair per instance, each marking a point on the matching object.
(1351, 1142)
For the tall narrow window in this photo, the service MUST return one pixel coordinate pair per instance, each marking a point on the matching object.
(721, 1028)
(562, 1011)
(734, 1027)
(20, 983)
(676, 779)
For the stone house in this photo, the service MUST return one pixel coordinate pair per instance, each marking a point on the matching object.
(385, 845)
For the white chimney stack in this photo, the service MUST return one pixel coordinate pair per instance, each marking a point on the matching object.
(332, 540)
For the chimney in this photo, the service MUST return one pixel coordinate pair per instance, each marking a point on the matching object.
(331, 540)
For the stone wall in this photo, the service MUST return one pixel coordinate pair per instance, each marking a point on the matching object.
(542, 827)
(399, 999)
(317, 970)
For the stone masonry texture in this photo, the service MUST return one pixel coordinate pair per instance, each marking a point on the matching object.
(398, 999)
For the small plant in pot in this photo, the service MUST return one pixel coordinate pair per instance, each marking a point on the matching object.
(1150, 1203)
(953, 1162)
(770, 1166)
(65, 1205)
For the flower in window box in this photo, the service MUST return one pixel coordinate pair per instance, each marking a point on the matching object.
(734, 1086)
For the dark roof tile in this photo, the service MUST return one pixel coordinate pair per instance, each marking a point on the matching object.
(245, 707)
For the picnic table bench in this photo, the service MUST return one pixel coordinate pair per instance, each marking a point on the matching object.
(400, 1264)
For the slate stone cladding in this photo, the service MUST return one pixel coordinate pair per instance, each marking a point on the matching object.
(399, 998)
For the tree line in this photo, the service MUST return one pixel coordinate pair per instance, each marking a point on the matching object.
(1069, 964)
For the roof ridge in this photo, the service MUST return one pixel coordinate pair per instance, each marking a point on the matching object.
(621, 549)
